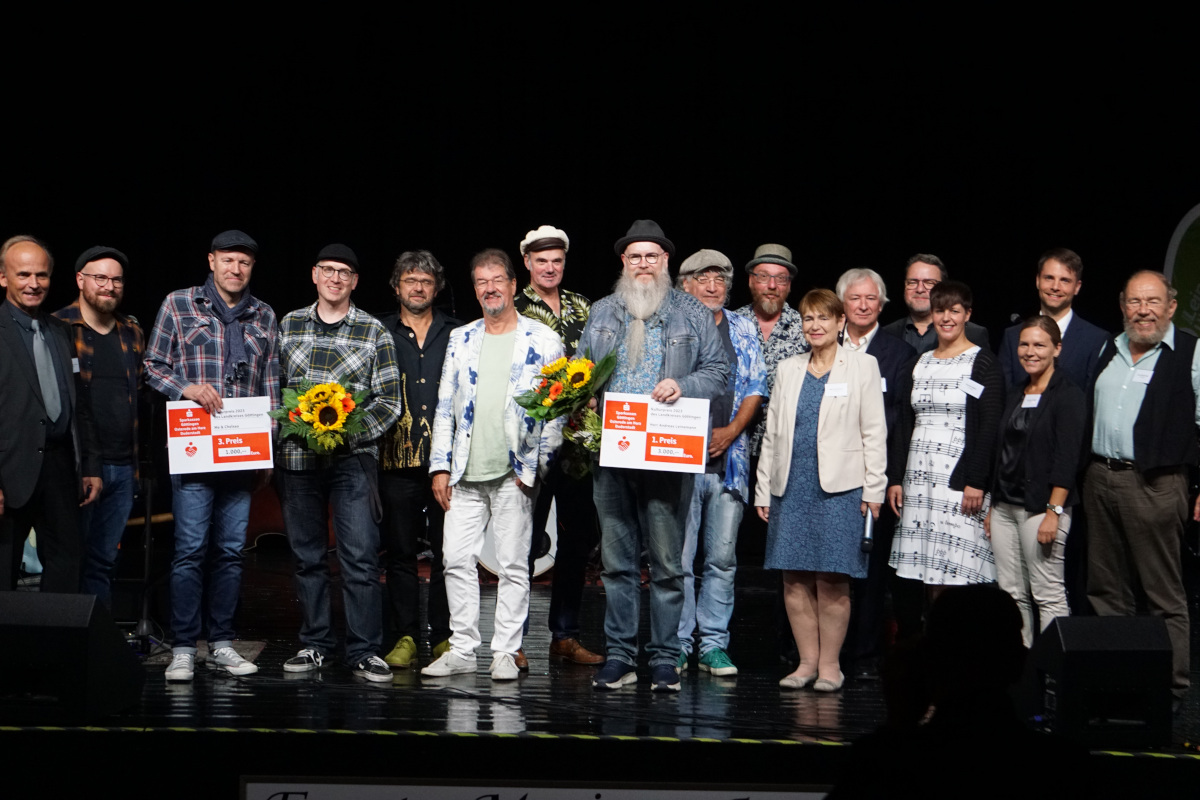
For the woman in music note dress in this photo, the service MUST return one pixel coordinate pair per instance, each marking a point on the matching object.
(820, 470)
(941, 453)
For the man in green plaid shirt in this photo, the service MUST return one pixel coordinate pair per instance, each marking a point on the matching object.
(333, 340)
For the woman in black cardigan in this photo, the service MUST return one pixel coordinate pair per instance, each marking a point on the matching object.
(1033, 490)
(941, 453)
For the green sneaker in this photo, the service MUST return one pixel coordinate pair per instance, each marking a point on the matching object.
(682, 663)
(440, 649)
(404, 654)
(717, 662)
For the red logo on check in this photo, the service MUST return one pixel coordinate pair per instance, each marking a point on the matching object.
(190, 450)
(623, 445)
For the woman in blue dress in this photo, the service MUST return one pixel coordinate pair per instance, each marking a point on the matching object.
(820, 471)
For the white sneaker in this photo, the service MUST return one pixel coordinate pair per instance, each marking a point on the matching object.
(183, 667)
(227, 658)
(451, 664)
(504, 667)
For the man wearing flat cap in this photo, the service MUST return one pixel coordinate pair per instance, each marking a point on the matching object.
(333, 341)
(212, 342)
(666, 346)
(719, 495)
(544, 251)
(780, 328)
(110, 346)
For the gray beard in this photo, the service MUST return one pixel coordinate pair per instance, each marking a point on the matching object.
(1148, 340)
(641, 301)
(770, 308)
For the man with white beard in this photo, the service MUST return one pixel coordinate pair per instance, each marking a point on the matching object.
(667, 346)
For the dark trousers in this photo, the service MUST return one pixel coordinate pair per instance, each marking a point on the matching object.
(410, 512)
(865, 639)
(53, 511)
(577, 536)
(1137, 523)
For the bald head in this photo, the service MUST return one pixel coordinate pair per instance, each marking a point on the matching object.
(26, 277)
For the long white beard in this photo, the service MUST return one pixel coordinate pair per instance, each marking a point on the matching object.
(641, 301)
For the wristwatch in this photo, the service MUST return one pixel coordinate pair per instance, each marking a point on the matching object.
(1056, 509)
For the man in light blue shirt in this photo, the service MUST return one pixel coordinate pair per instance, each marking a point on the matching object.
(1144, 437)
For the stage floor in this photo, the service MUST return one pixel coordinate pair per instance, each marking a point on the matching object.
(551, 714)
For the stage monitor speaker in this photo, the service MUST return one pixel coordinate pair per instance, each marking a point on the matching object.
(1104, 681)
(63, 661)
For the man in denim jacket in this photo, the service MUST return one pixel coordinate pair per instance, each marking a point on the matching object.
(667, 346)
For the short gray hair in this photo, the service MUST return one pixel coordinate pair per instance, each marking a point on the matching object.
(24, 237)
(853, 276)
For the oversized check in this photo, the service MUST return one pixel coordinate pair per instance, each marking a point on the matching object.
(236, 437)
(641, 433)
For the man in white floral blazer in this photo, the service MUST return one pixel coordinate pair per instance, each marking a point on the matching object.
(488, 472)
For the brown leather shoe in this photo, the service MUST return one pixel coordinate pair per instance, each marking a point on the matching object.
(571, 650)
(521, 661)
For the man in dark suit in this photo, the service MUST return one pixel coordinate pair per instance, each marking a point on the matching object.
(49, 459)
(863, 296)
(1059, 279)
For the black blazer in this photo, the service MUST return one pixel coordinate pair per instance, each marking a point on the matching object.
(982, 417)
(23, 434)
(1054, 447)
(1081, 348)
(892, 354)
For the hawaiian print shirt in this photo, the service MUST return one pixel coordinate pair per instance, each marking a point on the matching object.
(188, 343)
(531, 444)
(360, 354)
(133, 345)
(569, 327)
(749, 379)
(787, 340)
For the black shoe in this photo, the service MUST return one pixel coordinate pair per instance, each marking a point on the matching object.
(664, 678)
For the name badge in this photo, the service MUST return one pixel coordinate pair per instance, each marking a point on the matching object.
(883, 383)
(836, 390)
(74, 365)
(1031, 401)
(971, 387)
(1142, 375)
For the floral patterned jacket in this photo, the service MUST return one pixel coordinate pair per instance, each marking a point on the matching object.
(749, 379)
(531, 445)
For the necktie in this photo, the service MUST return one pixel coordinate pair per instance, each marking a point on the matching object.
(43, 360)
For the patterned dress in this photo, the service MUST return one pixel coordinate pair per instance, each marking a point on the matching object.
(812, 530)
(934, 541)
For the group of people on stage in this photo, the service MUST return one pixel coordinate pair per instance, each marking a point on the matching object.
(970, 464)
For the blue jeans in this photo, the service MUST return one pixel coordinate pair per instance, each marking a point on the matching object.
(717, 513)
(103, 525)
(344, 487)
(635, 506)
(211, 511)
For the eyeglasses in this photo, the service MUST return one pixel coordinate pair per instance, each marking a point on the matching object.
(925, 283)
(412, 283)
(1153, 304)
(762, 279)
(329, 272)
(636, 259)
(710, 280)
(483, 283)
(103, 280)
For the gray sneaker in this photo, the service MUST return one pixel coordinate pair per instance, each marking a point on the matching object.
(227, 658)
(182, 668)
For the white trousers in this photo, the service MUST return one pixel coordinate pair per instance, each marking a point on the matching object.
(473, 504)
(1030, 571)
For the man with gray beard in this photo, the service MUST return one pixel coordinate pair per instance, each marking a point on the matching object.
(667, 346)
(1135, 491)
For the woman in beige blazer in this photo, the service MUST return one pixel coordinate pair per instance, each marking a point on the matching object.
(820, 471)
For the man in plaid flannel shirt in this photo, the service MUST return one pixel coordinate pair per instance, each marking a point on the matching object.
(211, 342)
(332, 340)
(109, 345)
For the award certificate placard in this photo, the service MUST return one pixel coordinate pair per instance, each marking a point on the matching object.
(237, 437)
(640, 433)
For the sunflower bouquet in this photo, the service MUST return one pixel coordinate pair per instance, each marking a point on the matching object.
(564, 389)
(321, 414)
